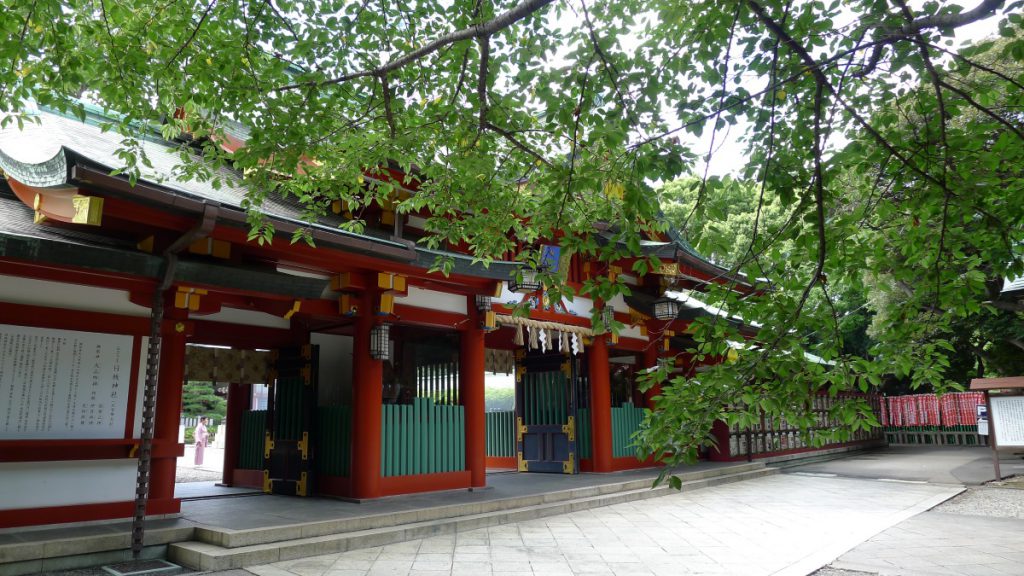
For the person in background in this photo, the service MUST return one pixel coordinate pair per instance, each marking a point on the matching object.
(202, 436)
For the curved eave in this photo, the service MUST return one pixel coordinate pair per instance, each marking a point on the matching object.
(644, 303)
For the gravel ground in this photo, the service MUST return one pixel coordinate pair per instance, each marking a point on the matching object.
(838, 572)
(192, 474)
(989, 500)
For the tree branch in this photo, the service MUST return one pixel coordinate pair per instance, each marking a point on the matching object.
(498, 23)
(191, 38)
(481, 85)
(913, 28)
(388, 113)
(517, 143)
(982, 10)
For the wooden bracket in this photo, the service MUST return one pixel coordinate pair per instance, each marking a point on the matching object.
(187, 298)
(296, 306)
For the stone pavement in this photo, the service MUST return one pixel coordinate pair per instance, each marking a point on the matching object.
(777, 525)
(980, 532)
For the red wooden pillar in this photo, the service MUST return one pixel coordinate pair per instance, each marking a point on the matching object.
(367, 383)
(600, 404)
(651, 354)
(239, 396)
(471, 382)
(168, 412)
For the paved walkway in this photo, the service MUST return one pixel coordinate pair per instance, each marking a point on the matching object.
(778, 525)
(940, 544)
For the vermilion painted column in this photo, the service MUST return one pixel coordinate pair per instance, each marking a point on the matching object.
(471, 384)
(651, 354)
(168, 409)
(600, 404)
(238, 400)
(367, 382)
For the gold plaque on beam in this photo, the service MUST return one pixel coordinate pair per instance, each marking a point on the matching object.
(668, 269)
(88, 210)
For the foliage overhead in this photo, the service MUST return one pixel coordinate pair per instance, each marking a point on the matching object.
(855, 113)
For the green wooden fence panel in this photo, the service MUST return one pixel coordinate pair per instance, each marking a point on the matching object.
(422, 438)
(288, 409)
(583, 436)
(253, 428)
(334, 440)
(501, 429)
(625, 421)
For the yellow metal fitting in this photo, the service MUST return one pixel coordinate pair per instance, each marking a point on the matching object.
(268, 445)
(569, 466)
(524, 466)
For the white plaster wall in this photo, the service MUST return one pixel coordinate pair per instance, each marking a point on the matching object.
(432, 300)
(335, 386)
(632, 332)
(44, 484)
(245, 318)
(18, 290)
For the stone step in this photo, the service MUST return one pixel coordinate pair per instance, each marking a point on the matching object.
(61, 549)
(201, 555)
(229, 538)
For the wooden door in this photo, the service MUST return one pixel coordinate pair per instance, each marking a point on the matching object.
(291, 417)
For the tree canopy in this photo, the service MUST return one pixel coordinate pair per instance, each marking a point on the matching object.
(854, 114)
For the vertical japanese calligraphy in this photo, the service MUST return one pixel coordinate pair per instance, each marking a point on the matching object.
(1007, 418)
(62, 383)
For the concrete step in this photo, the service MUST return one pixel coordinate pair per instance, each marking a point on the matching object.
(204, 555)
(60, 549)
(230, 538)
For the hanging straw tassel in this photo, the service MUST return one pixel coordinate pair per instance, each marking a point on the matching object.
(565, 343)
(517, 336)
(534, 334)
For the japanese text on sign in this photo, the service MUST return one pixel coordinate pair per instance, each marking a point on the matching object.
(62, 383)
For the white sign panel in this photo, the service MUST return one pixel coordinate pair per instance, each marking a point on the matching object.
(63, 383)
(1007, 419)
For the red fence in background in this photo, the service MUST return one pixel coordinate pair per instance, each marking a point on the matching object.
(928, 418)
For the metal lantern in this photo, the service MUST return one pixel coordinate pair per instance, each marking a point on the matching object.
(379, 342)
(666, 308)
(527, 285)
(483, 302)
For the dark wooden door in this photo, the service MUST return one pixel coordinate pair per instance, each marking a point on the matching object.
(546, 414)
(291, 411)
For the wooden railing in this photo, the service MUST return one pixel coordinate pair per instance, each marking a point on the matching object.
(333, 440)
(501, 434)
(422, 438)
(626, 421)
(253, 428)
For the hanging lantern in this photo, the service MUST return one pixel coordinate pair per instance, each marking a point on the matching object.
(527, 285)
(483, 302)
(379, 342)
(666, 308)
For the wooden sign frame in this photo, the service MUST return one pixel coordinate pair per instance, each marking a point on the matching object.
(1002, 389)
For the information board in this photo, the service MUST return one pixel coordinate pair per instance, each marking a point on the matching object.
(63, 383)
(1007, 419)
